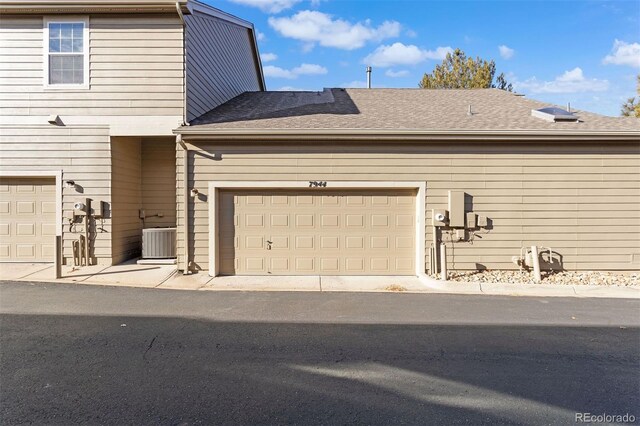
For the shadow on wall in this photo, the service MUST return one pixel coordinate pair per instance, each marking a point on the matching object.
(264, 105)
(551, 260)
(468, 202)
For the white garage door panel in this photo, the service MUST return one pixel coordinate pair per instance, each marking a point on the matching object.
(27, 219)
(354, 232)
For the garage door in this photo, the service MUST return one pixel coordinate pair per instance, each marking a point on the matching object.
(27, 219)
(317, 233)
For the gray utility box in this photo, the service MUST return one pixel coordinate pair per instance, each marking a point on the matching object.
(456, 209)
(159, 243)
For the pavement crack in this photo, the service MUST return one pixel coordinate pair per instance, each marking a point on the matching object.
(144, 356)
(175, 272)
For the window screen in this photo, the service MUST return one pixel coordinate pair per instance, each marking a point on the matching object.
(66, 53)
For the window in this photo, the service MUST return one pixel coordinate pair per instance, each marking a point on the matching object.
(66, 53)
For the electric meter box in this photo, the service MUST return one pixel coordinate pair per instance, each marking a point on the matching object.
(456, 209)
(439, 217)
(471, 220)
(99, 208)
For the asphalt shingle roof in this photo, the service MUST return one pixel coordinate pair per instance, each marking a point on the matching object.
(396, 109)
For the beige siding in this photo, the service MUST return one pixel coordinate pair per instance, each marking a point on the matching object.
(126, 198)
(83, 154)
(221, 63)
(582, 200)
(136, 68)
(158, 180)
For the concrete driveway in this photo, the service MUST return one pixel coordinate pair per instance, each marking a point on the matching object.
(130, 274)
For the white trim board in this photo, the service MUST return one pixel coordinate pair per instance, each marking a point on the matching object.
(213, 199)
(205, 9)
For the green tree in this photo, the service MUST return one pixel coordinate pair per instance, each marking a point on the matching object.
(457, 71)
(502, 84)
(631, 108)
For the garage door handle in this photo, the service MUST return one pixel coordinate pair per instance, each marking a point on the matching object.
(269, 245)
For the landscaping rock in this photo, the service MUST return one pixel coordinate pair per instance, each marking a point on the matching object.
(593, 278)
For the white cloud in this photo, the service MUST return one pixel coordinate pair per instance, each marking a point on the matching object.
(307, 47)
(277, 72)
(624, 53)
(357, 84)
(572, 81)
(260, 36)
(401, 54)
(303, 69)
(354, 85)
(575, 74)
(268, 57)
(309, 69)
(316, 27)
(506, 52)
(268, 6)
(289, 89)
(395, 74)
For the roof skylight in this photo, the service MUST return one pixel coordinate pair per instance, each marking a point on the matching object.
(554, 114)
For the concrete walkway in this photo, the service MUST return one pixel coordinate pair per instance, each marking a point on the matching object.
(130, 274)
(125, 274)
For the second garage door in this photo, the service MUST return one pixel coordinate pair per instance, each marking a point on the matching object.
(317, 232)
(27, 219)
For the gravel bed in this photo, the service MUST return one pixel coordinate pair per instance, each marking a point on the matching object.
(564, 278)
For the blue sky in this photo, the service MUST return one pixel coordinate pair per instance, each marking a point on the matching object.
(583, 52)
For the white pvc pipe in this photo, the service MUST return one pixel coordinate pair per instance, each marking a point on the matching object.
(87, 223)
(443, 262)
(536, 264)
(435, 250)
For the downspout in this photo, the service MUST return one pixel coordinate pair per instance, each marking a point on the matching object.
(185, 200)
(185, 149)
(184, 64)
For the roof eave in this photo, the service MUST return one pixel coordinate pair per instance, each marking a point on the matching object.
(101, 6)
(197, 6)
(256, 52)
(194, 133)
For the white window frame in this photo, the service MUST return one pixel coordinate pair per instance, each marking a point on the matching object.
(85, 51)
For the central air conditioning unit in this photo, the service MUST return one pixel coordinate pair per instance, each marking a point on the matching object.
(159, 243)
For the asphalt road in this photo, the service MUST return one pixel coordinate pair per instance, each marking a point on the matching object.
(73, 354)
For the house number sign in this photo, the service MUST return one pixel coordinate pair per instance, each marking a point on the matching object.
(317, 184)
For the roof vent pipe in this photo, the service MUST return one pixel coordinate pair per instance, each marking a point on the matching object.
(569, 106)
(368, 77)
